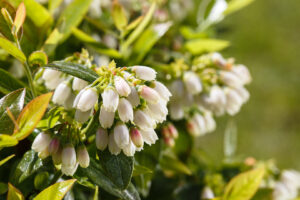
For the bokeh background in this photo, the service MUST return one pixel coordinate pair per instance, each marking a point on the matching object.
(265, 36)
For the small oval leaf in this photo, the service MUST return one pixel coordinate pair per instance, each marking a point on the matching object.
(12, 49)
(14, 193)
(20, 17)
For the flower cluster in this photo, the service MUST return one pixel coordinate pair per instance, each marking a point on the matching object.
(66, 155)
(130, 102)
(169, 133)
(288, 185)
(212, 86)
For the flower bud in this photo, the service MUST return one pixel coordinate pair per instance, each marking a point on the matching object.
(69, 170)
(86, 100)
(144, 73)
(169, 141)
(192, 82)
(133, 97)
(53, 83)
(122, 86)
(158, 111)
(243, 73)
(110, 100)
(53, 146)
(41, 142)
(79, 84)
(101, 139)
(150, 95)
(43, 154)
(106, 118)
(234, 101)
(149, 136)
(176, 111)
(196, 125)
(50, 74)
(165, 132)
(230, 79)
(112, 146)
(56, 157)
(209, 122)
(129, 149)
(68, 156)
(207, 193)
(136, 138)
(218, 59)
(125, 110)
(244, 94)
(61, 93)
(162, 90)
(121, 135)
(173, 130)
(83, 157)
(142, 120)
(82, 117)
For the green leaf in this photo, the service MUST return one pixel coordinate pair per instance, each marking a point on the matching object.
(170, 162)
(95, 173)
(119, 16)
(41, 180)
(189, 33)
(3, 188)
(8, 83)
(74, 69)
(53, 4)
(235, 5)
(70, 18)
(4, 28)
(14, 193)
(12, 49)
(97, 46)
(20, 17)
(7, 141)
(38, 58)
(244, 185)
(3, 161)
(31, 115)
(14, 101)
(147, 40)
(38, 14)
(56, 191)
(199, 46)
(118, 168)
(139, 169)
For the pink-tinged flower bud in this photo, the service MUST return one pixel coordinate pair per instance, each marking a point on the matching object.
(169, 141)
(53, 146)
(234, 101)
(243, 73)
(82, 117)
(165, 132)
(68, 156)
(61, 94)
(133, 97)
(101, 139)
(162, 90)
(110, 100)
(176, 110)
(149, 94)
(122, 86)
(129, 149)
(136, 138)
(192, 82)
(106, 118)
(86, 99)
(173, 130)
(41, 142)
(79, 84)
(142, 120)
(125, 110)
(83, 157)
(69, 170)
(149, 136)
(121, 135)
(144, 73)
(230, 79)
(207, 193)
(112, 146)
(56, 157)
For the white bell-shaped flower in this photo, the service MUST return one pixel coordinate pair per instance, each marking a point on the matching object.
(133, 97)
(79, 84)
(41, 142)
(112, 145)
(162, 90)
(61, 93)
(121, 135)
(192, 82)
(122, 86)
(110, 99)
(86, 99)
(106, 118)
(144, 73)
(101, 139)
(83, 157)
(125, 110)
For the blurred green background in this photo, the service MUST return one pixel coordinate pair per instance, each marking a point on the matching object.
(265, 36)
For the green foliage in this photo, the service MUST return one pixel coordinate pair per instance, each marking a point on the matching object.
(8, 83)
(7, 141)
(12, 49)
(235, 5)
(38, 58)
(119, 16)
(199, 46)
(14, 193)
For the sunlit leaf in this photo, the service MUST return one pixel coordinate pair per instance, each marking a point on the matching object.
(31, 115)
(4, 28)
(14, 101)
(74, 69)
(7, 141)
(38, 14)
(53, 4)
(12, 49)
(14, 193)
(199, 46)
(235, 5)
(139, 169)
(170, 162)
(56, 191)
(3, 161)
(20, 17)
(244, 185)
(119, 16)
